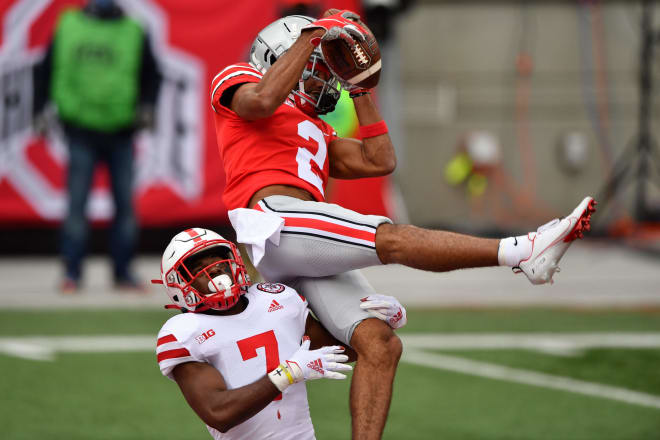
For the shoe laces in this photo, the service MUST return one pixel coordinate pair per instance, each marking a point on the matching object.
(547, 226)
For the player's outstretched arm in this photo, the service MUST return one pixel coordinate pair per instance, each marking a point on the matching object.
(371, 157)
(206, 392)
(259, 100)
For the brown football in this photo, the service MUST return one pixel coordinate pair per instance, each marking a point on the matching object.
(358, 64)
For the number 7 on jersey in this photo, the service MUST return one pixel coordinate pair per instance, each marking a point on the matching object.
(248, 348)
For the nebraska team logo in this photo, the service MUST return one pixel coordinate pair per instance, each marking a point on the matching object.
(170, 156)
(271, 287)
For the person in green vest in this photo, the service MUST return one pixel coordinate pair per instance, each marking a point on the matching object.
(100, 74)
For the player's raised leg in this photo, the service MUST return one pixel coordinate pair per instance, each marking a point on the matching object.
(537, 254)
(433, 250)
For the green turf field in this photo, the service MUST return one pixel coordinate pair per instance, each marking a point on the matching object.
(121, 395)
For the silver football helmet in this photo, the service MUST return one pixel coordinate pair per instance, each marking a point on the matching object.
(274, 40)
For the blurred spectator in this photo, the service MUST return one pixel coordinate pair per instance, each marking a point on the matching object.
(100, 73)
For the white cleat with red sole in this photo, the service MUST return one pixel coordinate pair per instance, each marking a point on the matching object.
(550, 242)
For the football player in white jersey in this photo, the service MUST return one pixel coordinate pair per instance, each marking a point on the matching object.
(237, 357)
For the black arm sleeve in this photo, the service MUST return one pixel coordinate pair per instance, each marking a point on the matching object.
(41, 75)
(228, 95)
(150, 76)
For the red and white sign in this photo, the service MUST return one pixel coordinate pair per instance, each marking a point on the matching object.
(179, 176)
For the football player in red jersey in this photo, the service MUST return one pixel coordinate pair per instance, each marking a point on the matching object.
(236, 354)
(278, 155)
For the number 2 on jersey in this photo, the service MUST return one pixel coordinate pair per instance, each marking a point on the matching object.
(248, 348)
(307, 130)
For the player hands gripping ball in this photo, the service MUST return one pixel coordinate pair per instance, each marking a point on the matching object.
(349, 49)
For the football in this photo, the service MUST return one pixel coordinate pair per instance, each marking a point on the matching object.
(358, 64)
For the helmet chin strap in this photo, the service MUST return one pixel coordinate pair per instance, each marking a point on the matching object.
(223, 282)
(325, 103)
(302, 94)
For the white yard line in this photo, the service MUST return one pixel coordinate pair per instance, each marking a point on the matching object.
(492, 371)
(531, 340)
(553, 343)
(45, 348)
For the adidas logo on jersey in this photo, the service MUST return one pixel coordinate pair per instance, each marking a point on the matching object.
(274, 306)
(316, 365)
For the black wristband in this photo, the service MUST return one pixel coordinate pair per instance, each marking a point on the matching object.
(360, 93)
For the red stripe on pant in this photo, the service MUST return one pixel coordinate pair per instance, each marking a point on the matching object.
(326, 226)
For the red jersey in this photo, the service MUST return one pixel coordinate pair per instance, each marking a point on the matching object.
(287, 148)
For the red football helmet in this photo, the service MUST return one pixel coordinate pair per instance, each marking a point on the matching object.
(201, 270)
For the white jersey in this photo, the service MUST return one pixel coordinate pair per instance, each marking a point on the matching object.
(244, 347)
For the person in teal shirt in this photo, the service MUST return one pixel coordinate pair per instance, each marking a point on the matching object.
(101, 75)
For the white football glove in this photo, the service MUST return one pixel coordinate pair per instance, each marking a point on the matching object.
(386, 308)
(306, 364)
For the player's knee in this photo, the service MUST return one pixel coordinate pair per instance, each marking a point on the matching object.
(388, 242)
(385, 349)
(394, 347)
(377, 343)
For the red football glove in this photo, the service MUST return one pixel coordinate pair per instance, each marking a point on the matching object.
(344, 24)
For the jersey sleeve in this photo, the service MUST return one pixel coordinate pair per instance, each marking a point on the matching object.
(173, 347)
(231, 76)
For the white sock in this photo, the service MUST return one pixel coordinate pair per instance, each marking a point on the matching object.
(513, 249)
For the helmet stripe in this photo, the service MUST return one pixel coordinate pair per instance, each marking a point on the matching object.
(194, 235)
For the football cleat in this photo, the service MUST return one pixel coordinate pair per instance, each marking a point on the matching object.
(550, 242)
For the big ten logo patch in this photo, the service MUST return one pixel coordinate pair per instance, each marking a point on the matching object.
(204, 336)
(171, 155)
